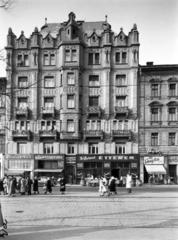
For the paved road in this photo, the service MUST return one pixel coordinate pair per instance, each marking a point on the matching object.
(148, 213)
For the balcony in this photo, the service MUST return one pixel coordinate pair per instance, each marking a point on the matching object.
(47, 134)
(121, 134)
(121, 111)
(93, 110)
(47, 111)
(71, 135)
(93, 134)
(21, 134)
(21, 111)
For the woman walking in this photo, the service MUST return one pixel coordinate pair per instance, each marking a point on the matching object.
(12, 186)
(129, 183)
(5, 185)
(29, 185)
(35, 186)
(62, 183)
(102, 185)
(112, 186)
(48, 186)
(23, 186)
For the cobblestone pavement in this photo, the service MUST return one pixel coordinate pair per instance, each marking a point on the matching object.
(85, 215)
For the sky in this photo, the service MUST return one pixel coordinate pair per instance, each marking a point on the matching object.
(157, 22)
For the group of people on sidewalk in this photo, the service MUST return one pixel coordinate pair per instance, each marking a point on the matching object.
(109, 186)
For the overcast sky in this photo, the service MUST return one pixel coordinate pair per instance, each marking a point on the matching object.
(157, 21)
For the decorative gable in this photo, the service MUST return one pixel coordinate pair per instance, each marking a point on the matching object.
(48, 41)
(22, 41)
(121, 38)
(94, 39)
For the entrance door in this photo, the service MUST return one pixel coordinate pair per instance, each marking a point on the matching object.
(116, 173)
(172, 173)
(70, 174)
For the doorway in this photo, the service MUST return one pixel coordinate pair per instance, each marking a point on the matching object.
(172, 173)
(115, 173)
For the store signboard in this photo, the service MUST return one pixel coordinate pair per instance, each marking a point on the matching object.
(107, 157)
(19, 156)
(173, 160)
(154, 160)
(49, 157)
(70, 160)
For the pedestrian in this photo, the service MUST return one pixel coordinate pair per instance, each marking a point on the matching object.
(62, 183)
(168, 180)
(1, 187)
(5, 185)
(112, 186)
(150, 180)
(8, 184)
(48, 186)
(19, 183)
(129, 182)
(102, 185)
(29, 185)
(12, 187)
(23, 186)
(35, 186)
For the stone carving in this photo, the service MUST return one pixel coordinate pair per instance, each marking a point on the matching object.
(94, 91)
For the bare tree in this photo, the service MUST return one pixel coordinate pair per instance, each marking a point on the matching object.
(7, 5)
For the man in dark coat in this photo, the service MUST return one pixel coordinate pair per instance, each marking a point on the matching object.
(35, 186)
(112, 186)
(62, 185)
(1, 187)
(29, 185)
(48, 186)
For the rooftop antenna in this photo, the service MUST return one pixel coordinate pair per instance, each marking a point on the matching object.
(45, 21)
(106, 18)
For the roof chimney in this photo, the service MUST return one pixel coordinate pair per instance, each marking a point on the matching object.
(149, 63)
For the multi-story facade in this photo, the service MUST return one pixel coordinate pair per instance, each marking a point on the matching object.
(158, 121)
(73, 100)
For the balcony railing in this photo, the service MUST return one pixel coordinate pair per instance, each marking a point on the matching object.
(48, 111)
(21, 111)
(70, 135)
(47, 134)
(94, 110)
(93, 133)
(21, 134)
(121, 110)
(121, 134)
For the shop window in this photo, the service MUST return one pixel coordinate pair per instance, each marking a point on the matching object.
(70, 79)
(22, 82)
(49, 102)
(48, 148)
(49, 82)
(154, 114)
(93, 58)
(172, 114)
(93, 101)
(71, 148)
(21, 148)
(70, 125)
(93, 148)
(54, 165)
(70, 101)
(172, 139)
(154, 90)
(93, 81)
(20, 164)
(120, 80)
(22, 102)
(154, 139)
(172, 90)
(120, 148)
(120, 101)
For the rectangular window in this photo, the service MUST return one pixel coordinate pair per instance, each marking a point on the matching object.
(93, 148)
(22, 82)
(88, 125)
(17, 126)
(70, 79)
(74, 55)
(93, 101)
(115, 127)
(154, 139)
(46, 60)
(120, 101)
(49, 82)
(26, 62)
(19, 60)
(93, 125)
(28, 125)
(124, 57)
(61, 101)
(71, 148)
(120, 80)
(70, 125)
(48, 148)
(154, 90)
(22, 102)
(52, 59)
(49, 127)
(98, 125)
(90, 58)
(93, 58)
(119, 148)
(117, 57)
(22, 126)
(70, 101)
(93, 80)
(97, 58)
(67, 55)
(43, 126)
(172, 90)
(172, 114)
(22, 148)
(172, 139)
(154, 114)
(49, 102)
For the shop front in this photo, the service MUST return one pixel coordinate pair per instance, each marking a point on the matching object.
(173, 168)
(155, 166)
(93, 166)
(70, 169)
(49, 165)
(19, 164)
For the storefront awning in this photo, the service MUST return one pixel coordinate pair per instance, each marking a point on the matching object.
(48, 170)
(14, 172)
(155, 169)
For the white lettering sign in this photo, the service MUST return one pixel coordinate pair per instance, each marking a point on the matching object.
(153, 151)
(173, 160)
(153, 160)
(87, 158)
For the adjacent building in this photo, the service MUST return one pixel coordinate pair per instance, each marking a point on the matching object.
(158, 121)
(72, 100)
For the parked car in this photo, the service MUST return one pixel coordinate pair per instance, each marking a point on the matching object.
(43, 179)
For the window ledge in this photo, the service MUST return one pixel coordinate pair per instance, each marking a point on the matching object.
(49, 87)
(91, 64)
(71, 61)
(120, 63)
(94, 86)
(159, 122)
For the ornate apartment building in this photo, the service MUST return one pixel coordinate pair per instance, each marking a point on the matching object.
(158, 121)
(72, 100)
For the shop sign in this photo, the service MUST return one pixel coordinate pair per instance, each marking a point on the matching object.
(60, 164)
(70, 160)
(49, 157)
(153, 160)
(108, 157)
(19, 156)
(106, 165)
(153, 151)
(173, 159)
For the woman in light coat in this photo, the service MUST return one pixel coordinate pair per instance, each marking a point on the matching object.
(129, 182)
(102, 185)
